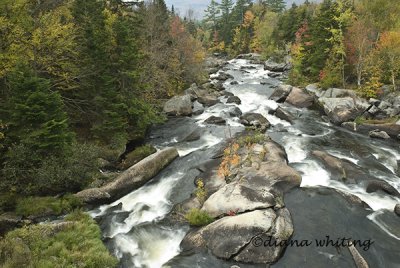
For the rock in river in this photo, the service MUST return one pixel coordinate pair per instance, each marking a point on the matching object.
(255, 120)
(179, 105)
(215, 120)
(234, 99)
(238, 237)
(299, 98)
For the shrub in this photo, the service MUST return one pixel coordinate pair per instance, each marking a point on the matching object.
(198, 217)
(69, 172)
(74, 245)
(252, 139)
(36, 206)
(201, 192)
(138, 154)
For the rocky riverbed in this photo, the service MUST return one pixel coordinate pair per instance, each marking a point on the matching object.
(307, 179)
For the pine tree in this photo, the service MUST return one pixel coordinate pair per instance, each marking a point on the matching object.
(36, 117)
(211, 14)
(316, 44)
(239, 11)
(226, 24)
(275, 5)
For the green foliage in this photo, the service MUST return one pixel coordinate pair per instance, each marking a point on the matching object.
(8, 201)
(201, 192)
(251, 139)
(75, 244)
(198, 217)
(35, 115)
(36, 206)
(138, 154)
(56, 174)
(316, 48)
(275, 5)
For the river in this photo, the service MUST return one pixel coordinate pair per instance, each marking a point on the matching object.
(138, 234)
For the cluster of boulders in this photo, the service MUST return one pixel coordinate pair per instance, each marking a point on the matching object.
(209, 94)
(345, 108)
(247, 206)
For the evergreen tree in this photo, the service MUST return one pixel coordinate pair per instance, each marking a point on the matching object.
(35, 115)
(212, 14)
(316, 48)
(226, 24)
(275, 5)
(239, 11)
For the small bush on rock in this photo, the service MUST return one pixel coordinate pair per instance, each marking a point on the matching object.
(198, 217)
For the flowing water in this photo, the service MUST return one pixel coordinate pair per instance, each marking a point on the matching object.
(136, 232)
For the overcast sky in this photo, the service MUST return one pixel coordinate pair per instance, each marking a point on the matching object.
(200, 5)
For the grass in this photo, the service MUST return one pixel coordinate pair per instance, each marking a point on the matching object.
(138, 154)
(37, 206)
(197, 217)
(77, 244)
(361, 120)
(252, 139)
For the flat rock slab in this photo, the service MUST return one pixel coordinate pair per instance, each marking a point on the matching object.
(238, 237)
(236, 198)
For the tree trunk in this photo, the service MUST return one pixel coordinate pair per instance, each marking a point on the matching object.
(394, 80)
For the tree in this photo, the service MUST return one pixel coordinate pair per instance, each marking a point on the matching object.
(243, 34)
(275, 5)
(211, 14)
(35, 115)
(359, 42)
(239, 10)
(316, 44)
(263, 32)
(388, 48)
(337, 52)
(226, 25)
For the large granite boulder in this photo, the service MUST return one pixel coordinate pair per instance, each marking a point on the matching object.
(179, 105)
(344, 109)
(281, 92)
(234, 99)
(242, 237)
(272, 66)
(284, 115)
(299, 98)
(237, 198)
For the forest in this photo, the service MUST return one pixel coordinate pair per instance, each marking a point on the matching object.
(82, 82)
(80, 79)
(349, 44)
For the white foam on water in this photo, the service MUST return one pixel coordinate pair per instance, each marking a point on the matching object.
(206, 140)
(342, 156)
(295, 148)
(387, 156)
(313, 174)
(374, 217)
(375, 200)
(150, 249)
(275, 120)
(324, 133)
